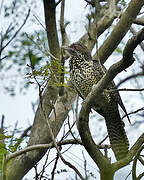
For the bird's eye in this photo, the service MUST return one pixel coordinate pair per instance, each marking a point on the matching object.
(75, 47)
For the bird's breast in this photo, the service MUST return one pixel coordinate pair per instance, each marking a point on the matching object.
(83, 78)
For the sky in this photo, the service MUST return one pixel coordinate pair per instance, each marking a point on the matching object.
(18, 108)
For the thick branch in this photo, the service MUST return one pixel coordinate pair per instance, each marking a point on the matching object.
(120, 30)
(95, 29)
(50, 145)
(50, 20)
(87, 139)
(139, 21)
(65, 39)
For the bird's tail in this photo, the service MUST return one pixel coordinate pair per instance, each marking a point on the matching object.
(117, 134)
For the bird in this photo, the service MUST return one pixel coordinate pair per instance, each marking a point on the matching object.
(84, 73)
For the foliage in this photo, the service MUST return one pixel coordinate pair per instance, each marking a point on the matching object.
(8, 144)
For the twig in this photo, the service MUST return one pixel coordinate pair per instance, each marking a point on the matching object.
(124, 89)
(85, 166)
(130, 77)
(54, 168)
(3, 57)
(39, 22)
(103, 140)
(16, 31)
(58, 2)
(141, 160)
(141, 109)
(46, 146)
(140, 176)
(44, 166)
(46, 52)
(36, 173)
(134, 33)
(128, 175)
(70, 128)
(2, 122)
(56, 146)
(65, 41)
(135, 163)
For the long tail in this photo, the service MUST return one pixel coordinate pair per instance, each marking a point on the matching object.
(117, 134)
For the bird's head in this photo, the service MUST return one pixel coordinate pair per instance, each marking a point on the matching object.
(78, 50)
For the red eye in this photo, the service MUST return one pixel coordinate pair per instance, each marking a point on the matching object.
(75, 46)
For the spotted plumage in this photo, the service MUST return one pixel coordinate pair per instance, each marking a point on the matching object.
(84, 73)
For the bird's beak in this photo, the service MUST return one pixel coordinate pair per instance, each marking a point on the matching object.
(65, 48)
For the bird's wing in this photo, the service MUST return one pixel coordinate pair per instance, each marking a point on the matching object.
(115, 94)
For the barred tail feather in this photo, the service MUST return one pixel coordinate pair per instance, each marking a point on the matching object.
(117, 136)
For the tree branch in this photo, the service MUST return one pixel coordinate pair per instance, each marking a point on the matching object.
(135, 163)
(124, 89)
(120, 30)
(134, 33)
(130, 77)
(95, 29)
(139, 21)
(2, 48)
(50, 20)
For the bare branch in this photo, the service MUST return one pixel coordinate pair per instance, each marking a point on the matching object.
(103, 140)
(65, 39)
(58, 2)
(130, 77)
(95, 29)
(141, 160)
(44, 51)
(139, 21)
(3, 58)
(124, 89)
(54, 168)
(134, 33)
(52, 34)
(64, 42)
(16, 32)
(120, 30)
(135, 163)
(39, 22)
(134, 112)
(48, 146)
